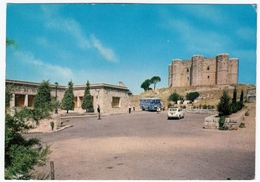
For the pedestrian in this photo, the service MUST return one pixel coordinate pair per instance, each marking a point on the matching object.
(98, 110)
(158, 110)
(129, 109)
(133, 107)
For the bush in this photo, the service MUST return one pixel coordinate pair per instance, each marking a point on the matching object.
(222, 122)
(174, 97)
(224, 107)
(247, 113)
(52, 125)
(21, 155)
(192, 96)
(204, 106)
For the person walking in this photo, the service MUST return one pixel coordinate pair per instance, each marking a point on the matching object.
(98, 110)
(158, 109)
(129, 109)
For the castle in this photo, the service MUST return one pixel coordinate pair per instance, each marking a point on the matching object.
(200, 71)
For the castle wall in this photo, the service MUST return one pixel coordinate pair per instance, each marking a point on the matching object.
(222, 69)
(233, 71)
(170, 75)
(203, 71)
(186, 73)
(196, 70)
(209, 71)
(177, 68)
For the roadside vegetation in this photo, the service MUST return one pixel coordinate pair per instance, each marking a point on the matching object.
(22, 155)
(228, 106)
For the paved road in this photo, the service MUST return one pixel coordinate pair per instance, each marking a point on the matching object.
(147, 146)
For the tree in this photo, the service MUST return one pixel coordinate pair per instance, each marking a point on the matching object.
(224, 106)
(192, 96)
(242, 97)
(42, 99)
(21, 155)
(174, 97)
(155, 80)
(146, 84)
(234, 99)
(87, 99)
(68, 99)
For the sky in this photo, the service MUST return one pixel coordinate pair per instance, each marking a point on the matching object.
(108, 43)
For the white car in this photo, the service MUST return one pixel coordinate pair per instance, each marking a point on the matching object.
(175, 112)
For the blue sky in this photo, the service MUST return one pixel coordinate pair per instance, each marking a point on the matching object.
(108, 43)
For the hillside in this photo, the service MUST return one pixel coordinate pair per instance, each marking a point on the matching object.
(209, 95)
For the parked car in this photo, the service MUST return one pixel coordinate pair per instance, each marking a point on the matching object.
(175, 112)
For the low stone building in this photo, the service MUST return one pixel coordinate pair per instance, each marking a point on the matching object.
(112, 99)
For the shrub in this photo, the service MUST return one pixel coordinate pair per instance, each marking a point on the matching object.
(52, 125)
(222, 122)
(192, 96)
(174, 97)
(204, 106)
(224, 107)
(21, 155)
(247, 113)
(242, 125)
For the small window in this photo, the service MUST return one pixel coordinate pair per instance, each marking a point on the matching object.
(208, 68)
(188, 70)
(208, 77)
(116, 102)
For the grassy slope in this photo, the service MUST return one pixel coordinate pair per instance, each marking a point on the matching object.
(210, 95)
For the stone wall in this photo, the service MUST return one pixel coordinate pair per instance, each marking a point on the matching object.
(232, 122)
(251, 95)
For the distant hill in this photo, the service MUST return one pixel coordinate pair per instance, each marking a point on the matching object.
(209, 95)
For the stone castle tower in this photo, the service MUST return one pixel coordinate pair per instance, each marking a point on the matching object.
(200, 71)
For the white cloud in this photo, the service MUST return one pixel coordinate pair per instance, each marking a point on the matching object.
(74, 28)
(71, 27)
(107, 53)
(199, 41)
(47, 69)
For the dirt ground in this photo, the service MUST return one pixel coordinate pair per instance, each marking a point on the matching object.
(147, 146)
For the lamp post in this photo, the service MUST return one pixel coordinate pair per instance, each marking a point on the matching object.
(56, 110)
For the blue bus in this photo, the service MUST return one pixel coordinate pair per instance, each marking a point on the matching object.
(150, 104)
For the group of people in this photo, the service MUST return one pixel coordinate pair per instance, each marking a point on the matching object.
(129, 110)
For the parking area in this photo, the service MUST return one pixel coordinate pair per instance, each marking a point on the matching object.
(147, 146)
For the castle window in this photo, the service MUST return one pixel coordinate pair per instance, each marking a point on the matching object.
(188, 70)
(208, 68)
(208, 77)
(188, 78)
